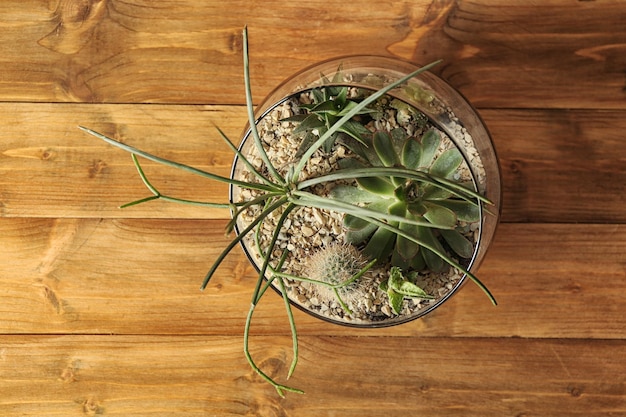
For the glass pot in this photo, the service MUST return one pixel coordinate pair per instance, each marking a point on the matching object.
(446, 108)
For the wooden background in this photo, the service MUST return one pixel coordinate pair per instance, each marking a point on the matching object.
(100, 309)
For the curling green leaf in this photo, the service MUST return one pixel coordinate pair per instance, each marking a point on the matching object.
(395, 300)
(397, 287)
(399, 283)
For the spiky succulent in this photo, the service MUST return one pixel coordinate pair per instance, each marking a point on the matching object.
(439, 209)
(328, 106)
(339, 266)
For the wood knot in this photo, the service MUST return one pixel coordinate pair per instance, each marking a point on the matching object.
(52, 299)
(96, 168)
(235, 42)
(70, 373)
(575, 391)
(92, 407)
(517, 167)
(74, 12)
(574, 288)
(273, 366)
(75, 20)
(267, 409)
(47, 154)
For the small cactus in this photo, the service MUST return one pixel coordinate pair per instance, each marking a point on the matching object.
(337, 265)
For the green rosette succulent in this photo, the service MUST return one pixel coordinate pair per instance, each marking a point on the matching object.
(435, 215)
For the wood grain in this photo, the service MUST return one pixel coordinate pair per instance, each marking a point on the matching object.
(50, 168)
(146, 275)
(100, 308)
(498, 53)
(189, 376)
(555, 163)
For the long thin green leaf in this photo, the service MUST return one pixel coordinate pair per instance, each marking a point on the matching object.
(143, 176)
(354, 173)
(312, 200)
(246, 342)
(250, 110)
(140, 201)
(158, 196)
(242, 207)
(292, 323)
(238, 239)
(173, 164)
(194, 202)
(272, 244)
(245, 160)
(292, 327)
(353, 112)
(260, 290)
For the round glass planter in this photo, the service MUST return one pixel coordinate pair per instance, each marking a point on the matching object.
(444, 107)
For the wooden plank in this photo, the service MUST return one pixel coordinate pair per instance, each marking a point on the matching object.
(498, 53)
(50, 168)
(561, 165)
(100, 308)
(143, 276)
(519, 54)
(556, 164)
(176, 376)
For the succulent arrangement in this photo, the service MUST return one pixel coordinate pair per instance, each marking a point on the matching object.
(434, 211)
(400, 200)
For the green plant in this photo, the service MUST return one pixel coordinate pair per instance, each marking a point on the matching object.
(276, 193)
(409, 199)
(436, 214)
(339, 265)
(398, 287)
(329, 105)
